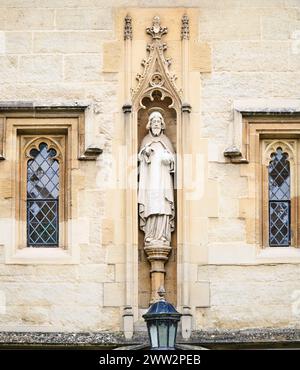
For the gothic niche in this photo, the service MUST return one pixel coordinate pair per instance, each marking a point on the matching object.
(156, 100)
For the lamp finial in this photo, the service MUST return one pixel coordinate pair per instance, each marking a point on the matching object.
(161, 292)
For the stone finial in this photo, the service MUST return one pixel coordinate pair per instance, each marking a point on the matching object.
(161, 293)
(156, 31)
(185, 27)
(127, 28)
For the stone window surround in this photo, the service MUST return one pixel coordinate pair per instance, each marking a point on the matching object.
(245, 148)
(74, 120)
(237, 148)
(58, 143)
(289, 146)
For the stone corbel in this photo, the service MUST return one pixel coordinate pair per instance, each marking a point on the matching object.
(234, 150)
(91, 153)
(88, 150)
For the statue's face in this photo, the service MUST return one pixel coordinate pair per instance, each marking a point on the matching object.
(156, 125)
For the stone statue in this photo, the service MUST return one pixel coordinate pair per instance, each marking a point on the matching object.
(156, 191)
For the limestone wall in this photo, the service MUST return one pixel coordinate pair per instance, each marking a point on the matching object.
(255, 54)
(250, 297)
(71, 51)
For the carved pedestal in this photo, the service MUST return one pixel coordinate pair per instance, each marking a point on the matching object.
(157, 256)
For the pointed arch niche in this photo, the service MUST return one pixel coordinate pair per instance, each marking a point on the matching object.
(156, 90)
(166, 107)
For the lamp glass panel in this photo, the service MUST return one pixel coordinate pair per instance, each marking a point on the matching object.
(163, 334)
(153, 335)
(172, 332)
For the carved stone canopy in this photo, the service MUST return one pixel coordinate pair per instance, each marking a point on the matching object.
(156, 75)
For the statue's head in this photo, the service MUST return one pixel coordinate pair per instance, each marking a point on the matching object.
(156, 123)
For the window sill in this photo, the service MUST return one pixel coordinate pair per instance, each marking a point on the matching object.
(48, 256)
(279, 255)
(238, 253)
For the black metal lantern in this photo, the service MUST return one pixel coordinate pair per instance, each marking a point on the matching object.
(162, 320)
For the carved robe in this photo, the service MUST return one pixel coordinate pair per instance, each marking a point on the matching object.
(156, 190)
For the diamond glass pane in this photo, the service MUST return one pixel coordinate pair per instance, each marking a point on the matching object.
(279, 224)
(42, 174)
(42, 222)
(279, 200)
(279, 176)
(42, 197)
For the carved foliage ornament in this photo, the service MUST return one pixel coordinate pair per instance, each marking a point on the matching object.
(156, 31)
(128, 28)
(185, 27)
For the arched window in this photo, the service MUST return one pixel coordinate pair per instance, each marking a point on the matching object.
(279, 199)
(42, 197)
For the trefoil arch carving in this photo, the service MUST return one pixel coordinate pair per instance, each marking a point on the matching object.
(272, 146)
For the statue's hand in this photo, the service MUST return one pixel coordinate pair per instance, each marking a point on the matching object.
(147, 151)
(166, 158)
(145, 154)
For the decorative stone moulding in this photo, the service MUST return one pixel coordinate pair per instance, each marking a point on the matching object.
(19, 109)
(238, 151)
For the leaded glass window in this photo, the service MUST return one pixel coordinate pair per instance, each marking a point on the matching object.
(42, 197)
(279, 200)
